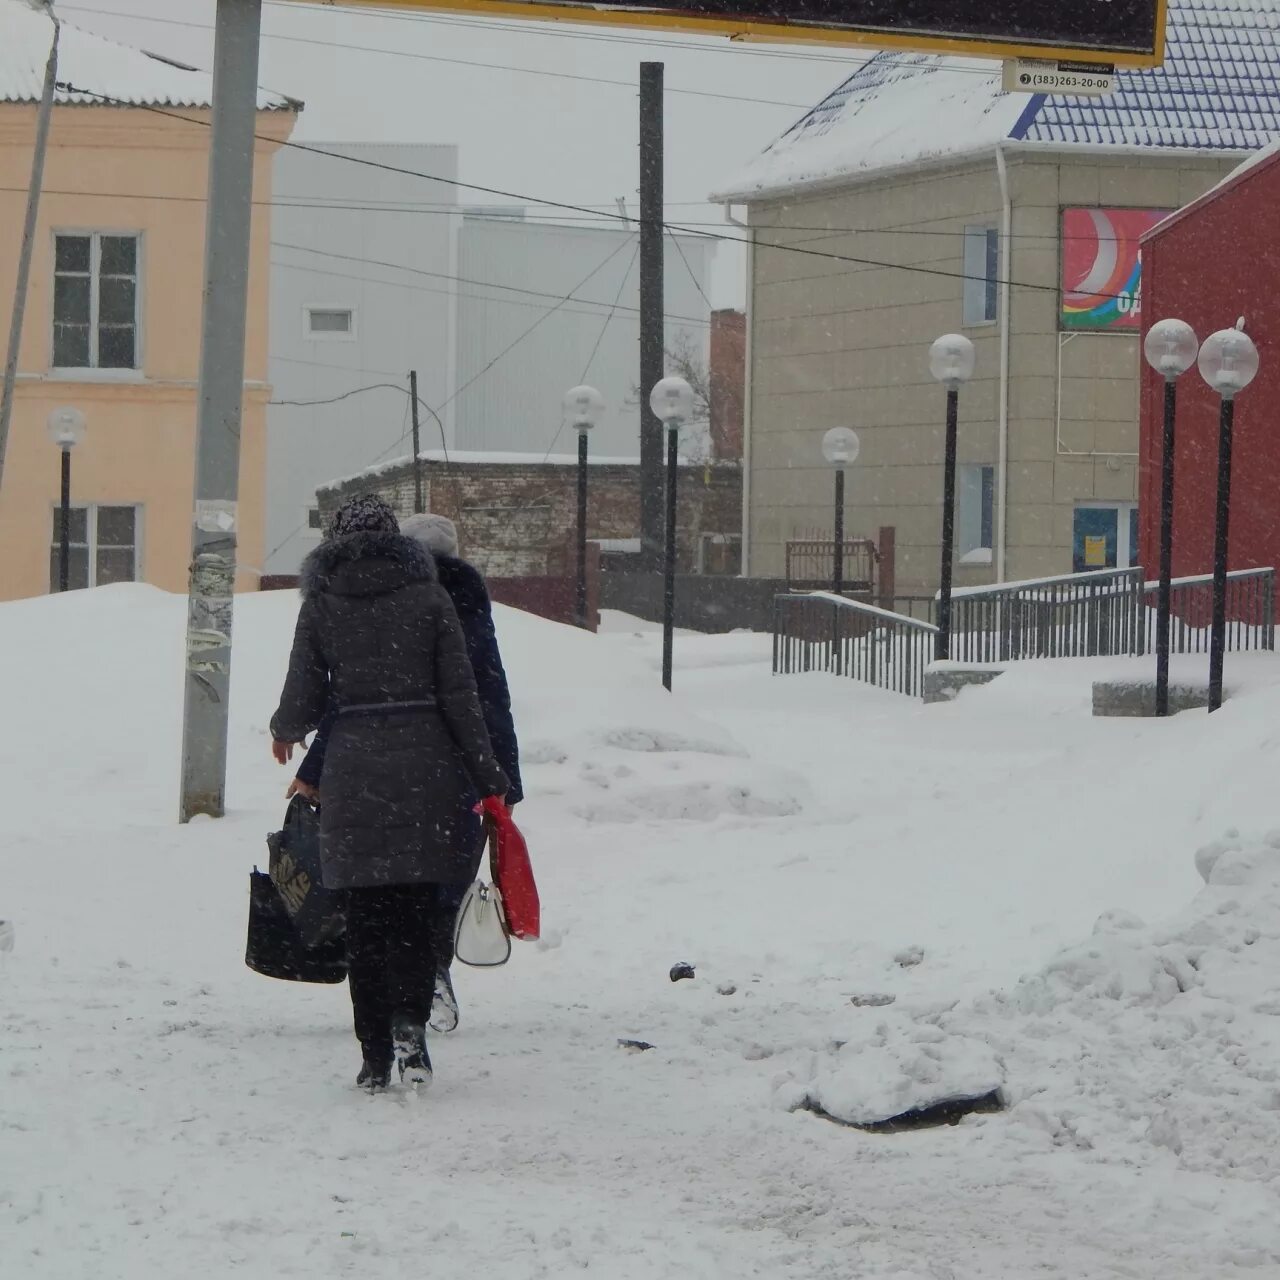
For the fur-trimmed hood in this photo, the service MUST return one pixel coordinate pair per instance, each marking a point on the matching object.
(365, 564)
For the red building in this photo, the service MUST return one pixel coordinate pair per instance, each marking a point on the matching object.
(1209, 264)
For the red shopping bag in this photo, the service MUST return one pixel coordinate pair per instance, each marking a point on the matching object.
(513, 872)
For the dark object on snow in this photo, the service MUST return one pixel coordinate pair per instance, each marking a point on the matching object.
(635, 1046)
(273, 947)
(475, 612)
(681, 971)
(726, 989)
(876, 1001)
(318, 914)
(950, 1112)
(378, 638)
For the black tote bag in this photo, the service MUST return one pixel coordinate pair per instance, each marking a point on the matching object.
(318, 914)
(273, 947)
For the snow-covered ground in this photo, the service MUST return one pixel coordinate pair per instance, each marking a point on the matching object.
(1023, 880)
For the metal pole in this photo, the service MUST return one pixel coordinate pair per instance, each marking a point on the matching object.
(582, 529)
(1165, 599)
(838, 574)
(1218, 632)
(652, 307)
(217, 471)
(669, 575)
(943, 645)
(418, 505)
(64, 536)
(43, 119)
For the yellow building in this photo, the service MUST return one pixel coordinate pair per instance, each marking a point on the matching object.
(113, 309)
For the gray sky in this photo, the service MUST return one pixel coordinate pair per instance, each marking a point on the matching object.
(540, 134)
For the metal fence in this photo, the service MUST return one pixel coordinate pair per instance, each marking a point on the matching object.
(1108, 613)
(850, 638)
(811, 564)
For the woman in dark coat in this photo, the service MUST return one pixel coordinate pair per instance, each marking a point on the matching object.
(470, 599)
(378, 636)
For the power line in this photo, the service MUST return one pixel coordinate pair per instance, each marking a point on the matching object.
(697, 284)
(429, 57)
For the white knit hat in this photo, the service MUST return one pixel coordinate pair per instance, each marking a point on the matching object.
(437, 533)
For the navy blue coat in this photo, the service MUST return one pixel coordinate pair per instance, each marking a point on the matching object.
(470, 599)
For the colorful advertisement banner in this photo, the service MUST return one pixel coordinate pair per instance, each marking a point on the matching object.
(1102, 267)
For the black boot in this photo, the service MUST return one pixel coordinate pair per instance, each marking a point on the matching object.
(410, 1038)
(375, 1072)
(444, 1005)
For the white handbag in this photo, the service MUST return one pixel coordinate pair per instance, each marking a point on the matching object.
(480, 937)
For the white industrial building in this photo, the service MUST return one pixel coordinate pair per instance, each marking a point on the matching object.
(376, 272)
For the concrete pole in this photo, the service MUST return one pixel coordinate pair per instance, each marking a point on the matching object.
(43, 118)
(653, 359)
(217, 473)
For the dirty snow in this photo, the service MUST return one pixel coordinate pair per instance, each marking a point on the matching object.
(883, 903)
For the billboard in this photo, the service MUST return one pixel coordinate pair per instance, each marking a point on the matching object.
(1102, 267)
(1123, 32)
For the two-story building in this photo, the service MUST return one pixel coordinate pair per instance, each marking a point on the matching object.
(919, 199)
(113, 309)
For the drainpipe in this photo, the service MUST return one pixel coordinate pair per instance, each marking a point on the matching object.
(747, 393)
(1006, 291)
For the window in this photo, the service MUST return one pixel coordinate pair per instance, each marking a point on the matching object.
(104, 546)
(313, 519)
(95, 302)
(1104, 536)
(975, 514)
(981, 274)
(330, 322)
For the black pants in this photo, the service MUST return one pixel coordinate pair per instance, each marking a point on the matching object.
(391, 963)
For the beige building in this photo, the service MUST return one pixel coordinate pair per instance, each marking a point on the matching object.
(113, 310)
(923, 201)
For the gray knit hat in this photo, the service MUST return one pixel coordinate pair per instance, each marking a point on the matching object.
(365, 513)
(437, 533)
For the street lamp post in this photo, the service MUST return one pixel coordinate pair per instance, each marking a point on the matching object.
(840, 447)
(672, 403)
(1170, 349)
(1228, 363)
(66, 429)
(583, 407)
(951, 362)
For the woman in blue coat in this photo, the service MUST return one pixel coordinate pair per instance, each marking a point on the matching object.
(470, 599)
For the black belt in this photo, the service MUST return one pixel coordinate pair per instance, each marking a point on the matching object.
(384, 708)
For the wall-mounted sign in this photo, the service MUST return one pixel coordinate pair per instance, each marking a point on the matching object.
(1102, 267)
(1124, 32)
(1039, 75)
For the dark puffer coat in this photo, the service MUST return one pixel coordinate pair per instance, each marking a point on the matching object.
(379, 635)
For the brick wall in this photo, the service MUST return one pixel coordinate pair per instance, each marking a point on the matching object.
(728, 366)
(518, 520)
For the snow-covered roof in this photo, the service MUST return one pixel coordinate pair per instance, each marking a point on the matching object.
(1267, 158)
(1219, 89)
(100, 68)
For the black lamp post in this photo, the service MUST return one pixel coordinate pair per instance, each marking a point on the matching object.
(840, 447)
(672, 403)
(583, 407)
(951, 362)
(1170, 349)
(1228, 363)
(66, 428)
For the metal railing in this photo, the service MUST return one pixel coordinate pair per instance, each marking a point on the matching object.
(1080, 615)
(1251, 612)
(824, 632)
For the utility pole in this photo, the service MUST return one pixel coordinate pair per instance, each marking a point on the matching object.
(418, 505)
(217, 472)
(652, 309)
(28, 239)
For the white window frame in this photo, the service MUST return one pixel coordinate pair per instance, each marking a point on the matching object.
(1126, 512)
(91, 535)
(326, 335)
(92, 372)
(978, 286)
(969, 488)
